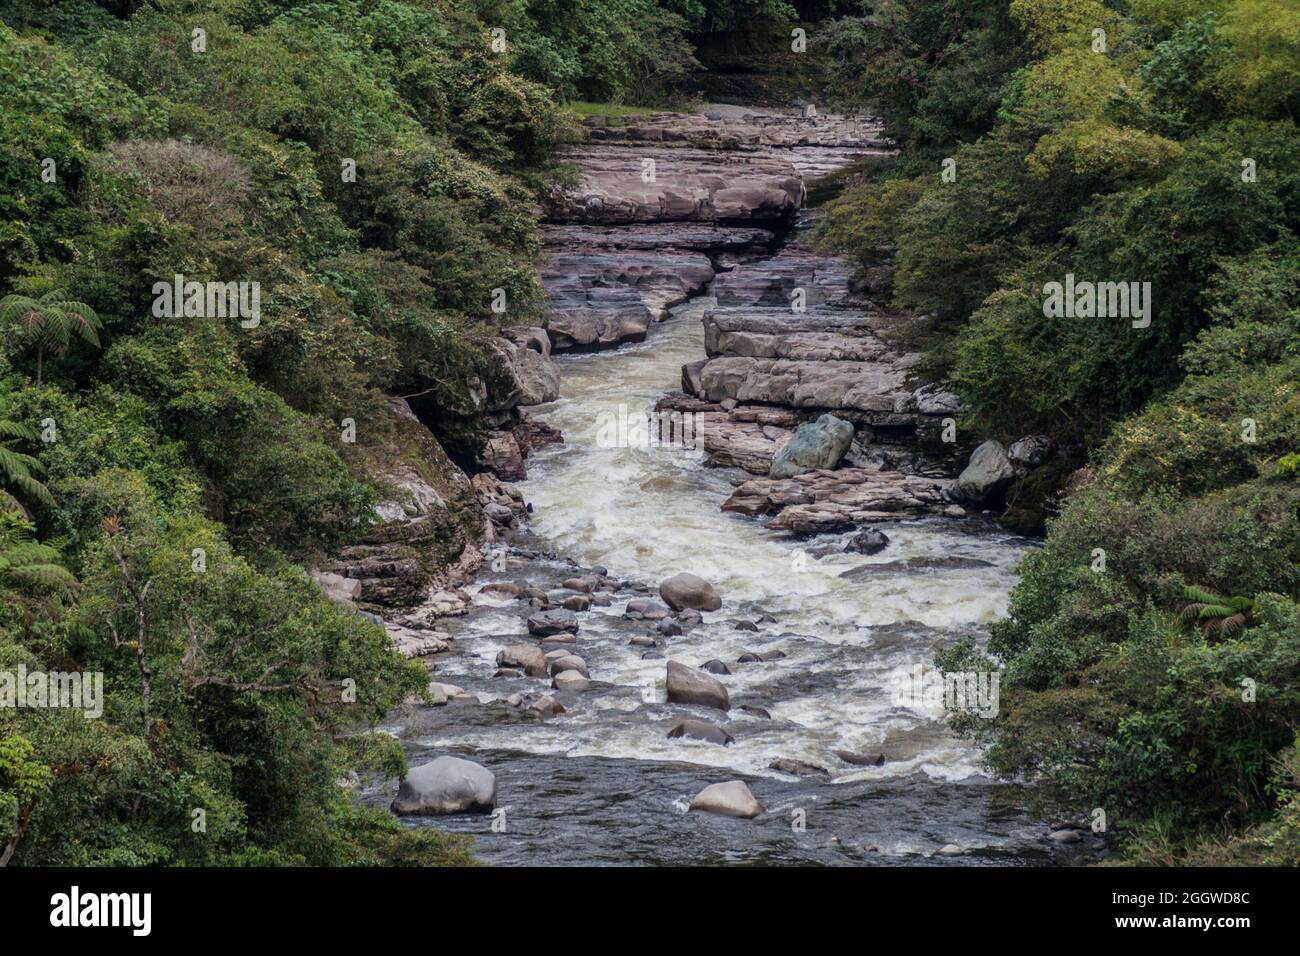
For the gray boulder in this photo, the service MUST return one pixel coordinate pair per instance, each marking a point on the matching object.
(525, 657)
(570, 680)
(569, 662)
(987, 474)
(730, 799)
(688, 590)
(815, 445)
(447, 785)
(552, 622)
(870, 541)
(1031, 451)
(686, 685)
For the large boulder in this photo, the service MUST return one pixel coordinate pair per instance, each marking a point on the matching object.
(686, 685)
(815, 446)
(526, 657)
(689, 590)
(447, 785)
(554, 621)
(987, 474)
(730, 799)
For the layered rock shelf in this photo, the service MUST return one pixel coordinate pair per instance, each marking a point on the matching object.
(665, 203)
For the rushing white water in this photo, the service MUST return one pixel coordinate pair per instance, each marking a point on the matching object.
(647, 513)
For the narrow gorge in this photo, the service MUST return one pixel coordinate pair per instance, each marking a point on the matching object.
(815, 495)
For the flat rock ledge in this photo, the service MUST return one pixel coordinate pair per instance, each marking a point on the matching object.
(821, 502)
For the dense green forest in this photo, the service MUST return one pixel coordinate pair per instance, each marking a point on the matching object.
(164, 480)
(1152, 652)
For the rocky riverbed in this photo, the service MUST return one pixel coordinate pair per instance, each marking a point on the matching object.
(606, 709)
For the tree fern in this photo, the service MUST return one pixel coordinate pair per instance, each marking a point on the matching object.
(50, 322)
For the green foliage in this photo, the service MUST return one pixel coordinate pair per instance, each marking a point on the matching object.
(194, 435)
(1151, 651)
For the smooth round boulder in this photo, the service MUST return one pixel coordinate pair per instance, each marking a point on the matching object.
(715, 667)
(570, 662)
(577, 602)
(570, 680)
(686, 685)
(446, 785)
(688, 590)
(700, 730)
(730, 799)
(577, 584)
(524, 657)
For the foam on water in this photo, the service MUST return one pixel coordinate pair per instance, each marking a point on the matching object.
(648, 513)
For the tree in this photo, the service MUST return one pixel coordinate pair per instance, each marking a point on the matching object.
(16, 468)
(50, 322)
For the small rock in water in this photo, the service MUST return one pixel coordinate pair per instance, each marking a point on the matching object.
(950, 849)
(577, 584)
(749, 657)
(730, 799)
(570, 681)
(700, 730)
(870, 541)
(548, 707)
(715, 667)
(502, 587)
(860, 759)
(652, 656)
(744, 625)
(577, 602)
(645, 608)
(798, 768)
(643, 640)
(669, 628)
(689, 617)
(755, 711)
(1065, 836)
